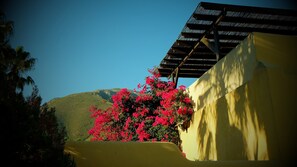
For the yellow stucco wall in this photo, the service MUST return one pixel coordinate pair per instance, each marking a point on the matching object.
(132, 154)
(246, 105)
(142, 154)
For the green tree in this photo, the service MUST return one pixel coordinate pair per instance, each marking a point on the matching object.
(30, 132)
(14, 63)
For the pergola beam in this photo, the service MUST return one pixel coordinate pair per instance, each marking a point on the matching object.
(213, 46)
(213, 25)
(213, 30)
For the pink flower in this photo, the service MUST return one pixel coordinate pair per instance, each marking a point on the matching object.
(135, 115)
(143, 135)
(160, 120)
(144, 111)
(182, 87)
(145, 115)
(149, 80)
(127, 124)
(172, 120)
(139, 86)
(167, 113)
(187, 100)
(182, 110)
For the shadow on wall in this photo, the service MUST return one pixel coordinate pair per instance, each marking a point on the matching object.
(228, 135)
(238, 125)
(234, 118)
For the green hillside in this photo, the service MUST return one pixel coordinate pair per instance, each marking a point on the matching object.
(73, 111)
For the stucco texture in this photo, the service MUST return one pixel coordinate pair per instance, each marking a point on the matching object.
(246, 105)
(142, 154)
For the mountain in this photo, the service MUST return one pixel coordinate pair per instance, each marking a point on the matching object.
(73, 111)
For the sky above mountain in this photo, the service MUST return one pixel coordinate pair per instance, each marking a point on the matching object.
(86, 45)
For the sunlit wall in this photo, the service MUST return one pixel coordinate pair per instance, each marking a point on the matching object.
(246, 105)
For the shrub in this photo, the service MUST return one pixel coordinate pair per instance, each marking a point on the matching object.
(153, 113)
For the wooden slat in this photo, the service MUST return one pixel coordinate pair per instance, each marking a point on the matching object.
(205, 17)
(259, 21)
(211, 36)
(197, 26)
(185, 73)
(233, 25)
(245, 29)
(202, 55)
(188, 66)
(251, 29)
(249, 9)
(192, 61)
(189, 43)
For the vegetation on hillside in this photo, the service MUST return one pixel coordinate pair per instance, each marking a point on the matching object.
(72, 111)
(29, 132)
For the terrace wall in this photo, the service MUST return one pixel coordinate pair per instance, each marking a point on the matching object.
(246, 105)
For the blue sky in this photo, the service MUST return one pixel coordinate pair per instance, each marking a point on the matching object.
(87, 45)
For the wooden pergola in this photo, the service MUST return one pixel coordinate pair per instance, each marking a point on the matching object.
(213, 30)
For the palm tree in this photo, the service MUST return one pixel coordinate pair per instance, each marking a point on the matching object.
(19, 64)
(30, 131)
(14, 63)
(6, 29)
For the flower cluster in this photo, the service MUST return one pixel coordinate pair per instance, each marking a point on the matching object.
(153, 113)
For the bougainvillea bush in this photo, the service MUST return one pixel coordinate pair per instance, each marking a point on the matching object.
(153, 113)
